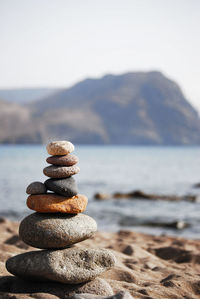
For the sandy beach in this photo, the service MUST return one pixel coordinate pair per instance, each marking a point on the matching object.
(147, 267)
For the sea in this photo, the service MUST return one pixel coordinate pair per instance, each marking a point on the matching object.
(110, 169)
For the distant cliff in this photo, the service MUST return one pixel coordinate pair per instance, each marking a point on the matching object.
(133, 108)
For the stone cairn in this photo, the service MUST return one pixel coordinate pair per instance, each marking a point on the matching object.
(57, 224)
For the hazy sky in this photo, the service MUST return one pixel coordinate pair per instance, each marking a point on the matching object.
(59, 42)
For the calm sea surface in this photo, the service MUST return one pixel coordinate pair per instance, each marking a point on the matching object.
(163, 170)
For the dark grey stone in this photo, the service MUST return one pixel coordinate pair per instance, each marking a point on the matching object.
(66, 187)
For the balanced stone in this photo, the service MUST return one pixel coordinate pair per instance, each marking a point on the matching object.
(60, 171)
(36, 188)
(53, 203)
(56, 230)
(60, 148)
(70, 266)
(66, 187)
(66, 160)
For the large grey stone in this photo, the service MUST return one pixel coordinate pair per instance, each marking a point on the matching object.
(70, 266)
(66, 187)
(56, 230)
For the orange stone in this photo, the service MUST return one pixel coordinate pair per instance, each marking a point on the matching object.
(53, 203)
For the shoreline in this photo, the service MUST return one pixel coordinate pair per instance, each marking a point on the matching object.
(147, 266)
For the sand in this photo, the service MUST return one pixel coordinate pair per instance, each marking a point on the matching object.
(147, 267)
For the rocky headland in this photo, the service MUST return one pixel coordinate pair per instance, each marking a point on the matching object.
(137, 108)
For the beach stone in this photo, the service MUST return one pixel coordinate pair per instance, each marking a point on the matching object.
(57, 148)
(36, 188)
(70, 266)
(53, 203)
(56, 230)
(66, 160)
(60, 172)
(66, 187)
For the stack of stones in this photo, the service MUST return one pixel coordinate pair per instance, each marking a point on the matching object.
(57, 224)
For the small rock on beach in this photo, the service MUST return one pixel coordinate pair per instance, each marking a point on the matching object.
(60, 171)
(56, 230)
(56, 148)
(53, 203)
(70, 266)
(36, 188)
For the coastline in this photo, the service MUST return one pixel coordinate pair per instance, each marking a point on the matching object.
(147, 266)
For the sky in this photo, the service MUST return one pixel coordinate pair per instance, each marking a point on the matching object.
(56, 43)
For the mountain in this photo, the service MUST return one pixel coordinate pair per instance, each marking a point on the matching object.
(134, 108)
(25, 95)
(16, 124)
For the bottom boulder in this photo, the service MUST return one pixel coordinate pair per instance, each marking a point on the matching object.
(69, 266)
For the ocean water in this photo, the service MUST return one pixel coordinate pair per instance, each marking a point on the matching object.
(108, 169)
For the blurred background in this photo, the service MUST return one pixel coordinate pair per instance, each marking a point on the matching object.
(119, 79)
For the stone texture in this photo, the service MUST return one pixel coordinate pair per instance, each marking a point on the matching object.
(60, 171)
(14, 285)
(56, 230)
(57, 148)
(86, 296)
(66, 160)
(66, 187)
(53, 203)
(120, 295)
(36, 188)
(70, 266)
